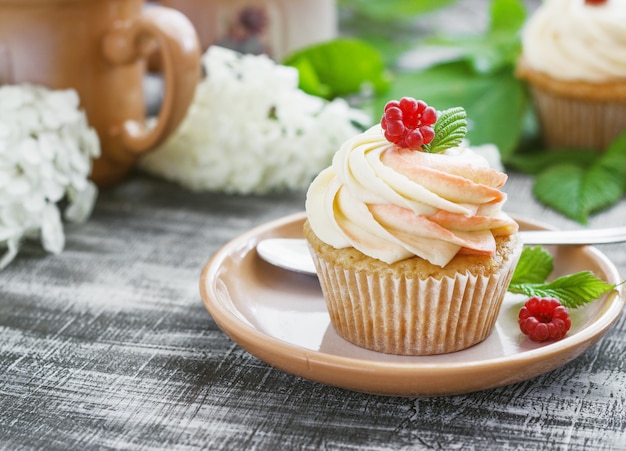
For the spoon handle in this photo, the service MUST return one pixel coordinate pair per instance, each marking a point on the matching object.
(293, 254)
(584, 236)
(287, 253)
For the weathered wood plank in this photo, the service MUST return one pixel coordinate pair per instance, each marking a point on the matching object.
(108, 346)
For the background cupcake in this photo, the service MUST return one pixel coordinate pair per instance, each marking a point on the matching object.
(406, 228)
(574, 59)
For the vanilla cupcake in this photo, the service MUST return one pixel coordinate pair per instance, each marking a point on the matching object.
(413, 251)
(574, 59)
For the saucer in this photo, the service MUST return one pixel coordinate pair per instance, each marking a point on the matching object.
(281, 318)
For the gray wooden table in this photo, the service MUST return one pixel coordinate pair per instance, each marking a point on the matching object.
(108, 345)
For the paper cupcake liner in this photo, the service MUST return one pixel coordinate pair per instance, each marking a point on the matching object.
(578, 123)
(410, 316)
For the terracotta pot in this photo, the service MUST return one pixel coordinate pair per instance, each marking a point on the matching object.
(99, 48)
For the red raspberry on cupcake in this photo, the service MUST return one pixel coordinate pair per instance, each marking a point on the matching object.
(408, 122)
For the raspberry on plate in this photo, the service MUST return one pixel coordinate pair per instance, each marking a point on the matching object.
(543, 319)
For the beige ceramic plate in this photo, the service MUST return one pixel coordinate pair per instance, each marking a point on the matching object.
(281, 318)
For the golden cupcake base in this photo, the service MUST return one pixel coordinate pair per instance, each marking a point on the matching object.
(421, 311)
(575, 114)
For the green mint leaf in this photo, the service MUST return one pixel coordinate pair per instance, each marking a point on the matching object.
(450, 129)
(537, 161)
(393, 27)
(342, 67)
(496, 102)
(391, 10)
(602, 188)
(534, 266)
(498, 46)
(572, 291)
(586, 183)
(577, 192)
(308, 80)
(501, 44)
(614, 159)
(506, 16)
(559, 187)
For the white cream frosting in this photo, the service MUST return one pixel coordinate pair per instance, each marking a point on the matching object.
(392, 203)
(572, 40)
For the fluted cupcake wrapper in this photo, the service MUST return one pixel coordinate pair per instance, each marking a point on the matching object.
(412, 316)
(568, 122)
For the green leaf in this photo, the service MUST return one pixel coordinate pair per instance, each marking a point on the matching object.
(572, 291)
(390, 47)
(560, 187)
(614, 159)
(495, 103)
(342, 66)
(576, 192)
(309, 81)
(507, 16)
(389, 10)
(538, 161)
(498, 46)
(534, 266)
(587, 183)
(450, 129)
(602, 187)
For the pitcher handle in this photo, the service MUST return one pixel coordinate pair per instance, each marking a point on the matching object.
(179, 50)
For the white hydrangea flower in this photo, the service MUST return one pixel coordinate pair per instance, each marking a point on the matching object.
(46, 148)
(251, 130)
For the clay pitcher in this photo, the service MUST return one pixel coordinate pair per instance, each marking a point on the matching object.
(99, 48)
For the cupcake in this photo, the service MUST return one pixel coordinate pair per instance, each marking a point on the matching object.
(574, 60)
(406, 228)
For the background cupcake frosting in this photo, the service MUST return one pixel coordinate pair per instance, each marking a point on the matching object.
(574, 40)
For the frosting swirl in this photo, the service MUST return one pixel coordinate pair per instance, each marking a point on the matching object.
(392, 203)
(572, 40)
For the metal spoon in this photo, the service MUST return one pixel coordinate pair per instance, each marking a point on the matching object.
(292, 253)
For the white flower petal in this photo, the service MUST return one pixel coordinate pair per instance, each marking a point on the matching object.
(52, 237)
(29, 151)
(13, 246)
(251, 130)
(82, 203)
(18, 187)
(34, 203)
(46, 147)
